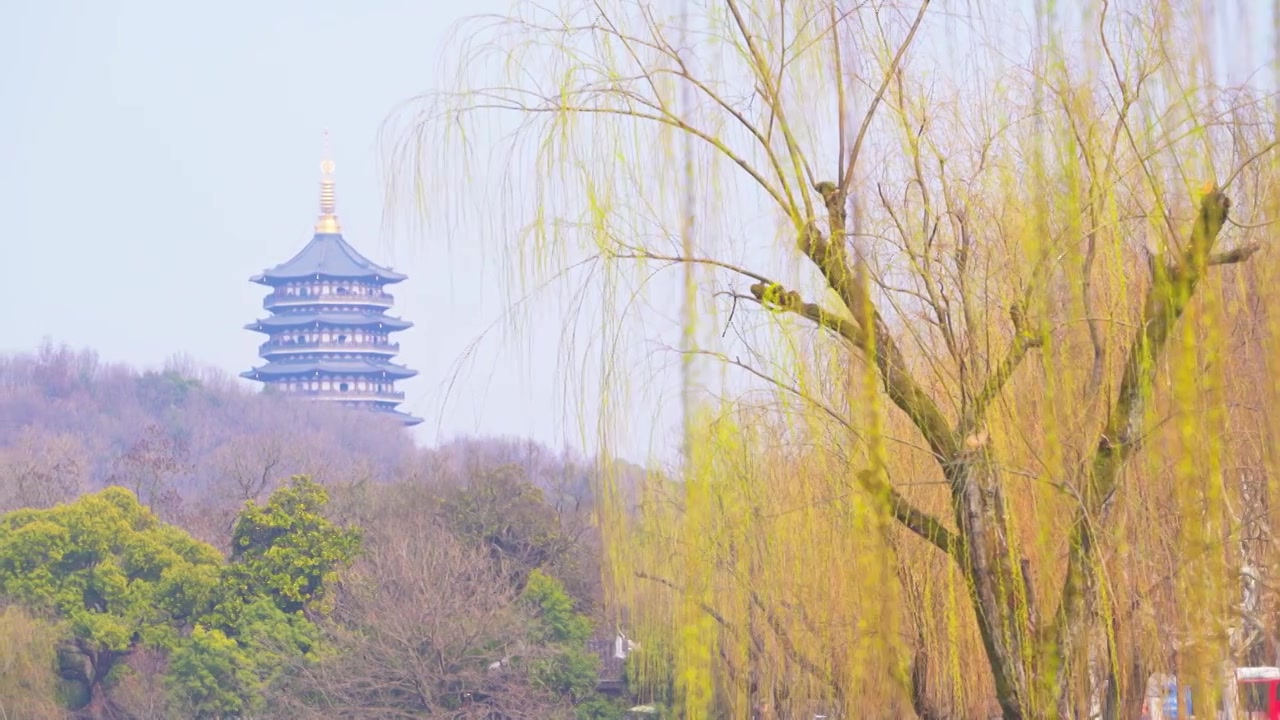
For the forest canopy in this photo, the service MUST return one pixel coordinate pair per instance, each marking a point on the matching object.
(112, 613)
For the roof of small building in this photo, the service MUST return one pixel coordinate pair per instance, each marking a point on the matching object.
(289, 368)
(336, 319)
(327, 255)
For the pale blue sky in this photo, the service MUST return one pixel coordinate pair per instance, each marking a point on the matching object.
(157, 154)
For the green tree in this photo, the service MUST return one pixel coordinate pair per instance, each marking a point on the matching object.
(570, 669)
(287, 549)
(164, 390)
(285, 554)
(212, 675)
(110, 569)
(557, 621)
(220, 673)
(508, 516)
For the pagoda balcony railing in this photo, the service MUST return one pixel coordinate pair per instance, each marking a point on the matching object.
(348, 395)
(277, 347)
(279, 299)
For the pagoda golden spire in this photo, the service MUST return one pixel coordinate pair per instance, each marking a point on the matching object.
(328, 222)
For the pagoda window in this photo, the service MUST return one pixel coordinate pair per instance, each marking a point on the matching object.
(342, 338)
(342, 291)
(344, 387)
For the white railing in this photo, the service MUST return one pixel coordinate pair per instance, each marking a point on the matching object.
(275, 347)
(281, 299)
(348, 395)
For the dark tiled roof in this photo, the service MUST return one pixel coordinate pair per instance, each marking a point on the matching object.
(340, 367)
(340, 319)
(327, 255)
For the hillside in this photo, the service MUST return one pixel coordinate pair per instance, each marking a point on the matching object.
(194, 443)
(492, 533)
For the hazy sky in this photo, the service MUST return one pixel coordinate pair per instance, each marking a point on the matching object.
(157, 154)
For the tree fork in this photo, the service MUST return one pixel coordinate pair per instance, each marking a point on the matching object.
(1167, 297)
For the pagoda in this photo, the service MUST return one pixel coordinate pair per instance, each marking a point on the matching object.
(328, 335)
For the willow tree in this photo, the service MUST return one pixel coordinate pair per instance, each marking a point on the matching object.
(967, 266)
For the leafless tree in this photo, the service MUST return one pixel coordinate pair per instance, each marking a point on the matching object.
(424, 627)
(41, 469)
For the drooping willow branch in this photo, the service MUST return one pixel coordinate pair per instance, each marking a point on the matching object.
(1168, 296)
(775, 297)
(831, 259)
(789, 648)
(1025, 339)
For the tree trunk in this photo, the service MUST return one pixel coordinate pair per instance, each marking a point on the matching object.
(923, 705)
(995, 581)
(1125, 694)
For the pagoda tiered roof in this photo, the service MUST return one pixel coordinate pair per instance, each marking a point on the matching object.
(293, 368)
(334, 319)
(315, 301)
(328, 255)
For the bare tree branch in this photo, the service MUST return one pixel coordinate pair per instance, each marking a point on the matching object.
(1166, 299)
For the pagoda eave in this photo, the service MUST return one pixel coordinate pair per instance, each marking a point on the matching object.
(404, 417)
(274, 280)
(305, 318)
(328, 369)
(328, 256)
